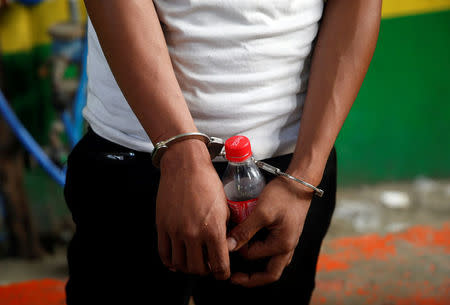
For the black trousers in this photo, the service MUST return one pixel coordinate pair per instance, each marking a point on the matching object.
(113, 256)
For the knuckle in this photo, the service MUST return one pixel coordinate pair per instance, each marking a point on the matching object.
(173, 233)
(289, 262)
(220, 272)
(287, 245)
(220, 268)
(284, 247)
(274, 276)
(221, 275)
(241, 235)
(189, 234)
(211, 234)
(265, 216)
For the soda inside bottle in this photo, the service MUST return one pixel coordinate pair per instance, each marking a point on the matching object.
(242, 180)
(243, 183)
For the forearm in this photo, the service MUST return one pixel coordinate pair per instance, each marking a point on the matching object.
(133, 42)
(345, 45)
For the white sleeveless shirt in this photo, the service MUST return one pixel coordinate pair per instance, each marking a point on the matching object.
(242, 65)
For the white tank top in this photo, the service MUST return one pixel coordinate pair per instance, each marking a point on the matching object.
(242, 65)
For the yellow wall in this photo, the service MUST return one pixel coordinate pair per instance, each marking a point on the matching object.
(395, 8)
(23, 27)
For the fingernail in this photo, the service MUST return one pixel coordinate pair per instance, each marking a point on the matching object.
(232, 243)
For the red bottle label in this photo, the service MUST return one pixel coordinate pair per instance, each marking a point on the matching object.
(241, 209)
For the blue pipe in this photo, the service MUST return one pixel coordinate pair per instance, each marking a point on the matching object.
(29, 143)
(30, 2)
(80, 97)
(69, 127)
(73, 121)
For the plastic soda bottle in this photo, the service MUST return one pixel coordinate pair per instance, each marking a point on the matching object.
(242, 180)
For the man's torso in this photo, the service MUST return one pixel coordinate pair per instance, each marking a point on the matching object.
(242, 66)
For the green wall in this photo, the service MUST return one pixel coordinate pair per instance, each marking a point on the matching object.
(399, 127)
(28, 88)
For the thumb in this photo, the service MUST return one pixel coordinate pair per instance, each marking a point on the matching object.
(243, 232)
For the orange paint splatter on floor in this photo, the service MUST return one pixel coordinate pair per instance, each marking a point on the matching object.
(333, 286)
(404, 268)
(362, 291)
(328, 263)
(366, 247)
(37, 292)
(373, 246)
(424, 236)
(420, 300)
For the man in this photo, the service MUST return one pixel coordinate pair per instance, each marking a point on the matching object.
(223, 68)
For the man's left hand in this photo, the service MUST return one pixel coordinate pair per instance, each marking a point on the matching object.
(281, 209)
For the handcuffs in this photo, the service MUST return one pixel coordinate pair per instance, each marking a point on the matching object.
(216, 149)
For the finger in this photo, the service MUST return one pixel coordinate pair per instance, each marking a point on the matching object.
(165, 249)
(243, 232)
(275, 244)
(195, 260)
(290, 258)
(179, 256)
(273, 272)
(218, 258)
(260, 249)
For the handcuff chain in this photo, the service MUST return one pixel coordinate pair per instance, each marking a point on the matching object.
(276, 171)
(216, 149)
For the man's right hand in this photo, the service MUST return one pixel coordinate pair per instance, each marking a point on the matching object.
(191, 212)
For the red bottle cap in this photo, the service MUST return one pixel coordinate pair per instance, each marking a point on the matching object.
(238, 149)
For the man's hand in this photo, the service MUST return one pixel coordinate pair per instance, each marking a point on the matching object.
(191, 212)
(281, 209)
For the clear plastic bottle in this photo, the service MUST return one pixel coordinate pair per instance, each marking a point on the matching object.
(242, 180)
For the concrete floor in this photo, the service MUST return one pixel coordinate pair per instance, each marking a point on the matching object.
(408, 267)
(388, 244)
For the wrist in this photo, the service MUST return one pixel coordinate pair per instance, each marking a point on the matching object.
(186, 154)
(308, 167)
